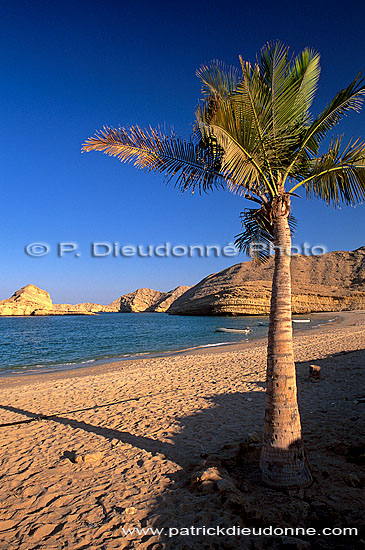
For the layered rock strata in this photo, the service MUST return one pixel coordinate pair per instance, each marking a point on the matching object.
(331, 282)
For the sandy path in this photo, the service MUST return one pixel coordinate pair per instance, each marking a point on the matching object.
(151, 420)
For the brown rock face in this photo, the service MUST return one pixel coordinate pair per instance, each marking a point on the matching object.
(167, 299)
(147, 300)
(138, 301)
(332, 282)
(25, 301)
(84, 308)
(31, 300)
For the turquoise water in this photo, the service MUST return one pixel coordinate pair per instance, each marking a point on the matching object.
(44, 343)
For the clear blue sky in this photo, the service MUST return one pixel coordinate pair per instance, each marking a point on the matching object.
(67, 68)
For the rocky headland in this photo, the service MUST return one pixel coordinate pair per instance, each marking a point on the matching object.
(331, 282)
(31, 300)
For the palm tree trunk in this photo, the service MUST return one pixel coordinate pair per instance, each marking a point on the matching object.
(283, 462)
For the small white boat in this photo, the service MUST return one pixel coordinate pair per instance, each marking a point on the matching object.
(241, 330)
(301, 320)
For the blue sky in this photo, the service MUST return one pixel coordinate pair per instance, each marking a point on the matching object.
(68, 68)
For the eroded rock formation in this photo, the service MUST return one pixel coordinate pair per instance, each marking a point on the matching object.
(25, 301)
(168, 299)
(332, 282)
(138, 301)
(31, 300)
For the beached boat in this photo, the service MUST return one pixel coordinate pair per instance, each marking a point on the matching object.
(242, 330)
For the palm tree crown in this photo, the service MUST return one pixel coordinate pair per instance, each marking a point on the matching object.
(254, 134)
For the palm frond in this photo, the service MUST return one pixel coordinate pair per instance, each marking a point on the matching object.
(292, 101)
(349, 99)
(265, 109)
(217, 79)
(274, 71)
(338, 176)
(185, 162)
(244, 161)
(252, 100)
(244, 171)
(305, 72)
(276, 95)
(257, 238)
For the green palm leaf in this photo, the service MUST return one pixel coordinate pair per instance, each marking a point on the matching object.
(186, 162)
(244, 171)
(337, 176)
(257, 238)
(267, 112)
(292, 83)
(349, 99)
(217, 79)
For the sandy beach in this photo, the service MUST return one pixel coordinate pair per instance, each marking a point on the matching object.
(172, 442)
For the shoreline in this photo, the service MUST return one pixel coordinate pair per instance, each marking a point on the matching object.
(343, 318)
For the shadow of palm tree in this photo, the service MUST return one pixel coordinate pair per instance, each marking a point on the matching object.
(329, 411)
(194, 439)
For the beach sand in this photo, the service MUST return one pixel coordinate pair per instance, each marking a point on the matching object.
(144, 433)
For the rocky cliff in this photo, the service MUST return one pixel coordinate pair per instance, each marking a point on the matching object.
(25, 301)
(138, 301)
(85, 307)
(332, 282)
(168, 299)
(147, 300)
(31, 300)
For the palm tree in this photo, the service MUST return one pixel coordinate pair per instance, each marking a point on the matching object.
(255, 136)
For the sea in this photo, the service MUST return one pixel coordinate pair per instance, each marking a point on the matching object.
(40, 344)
